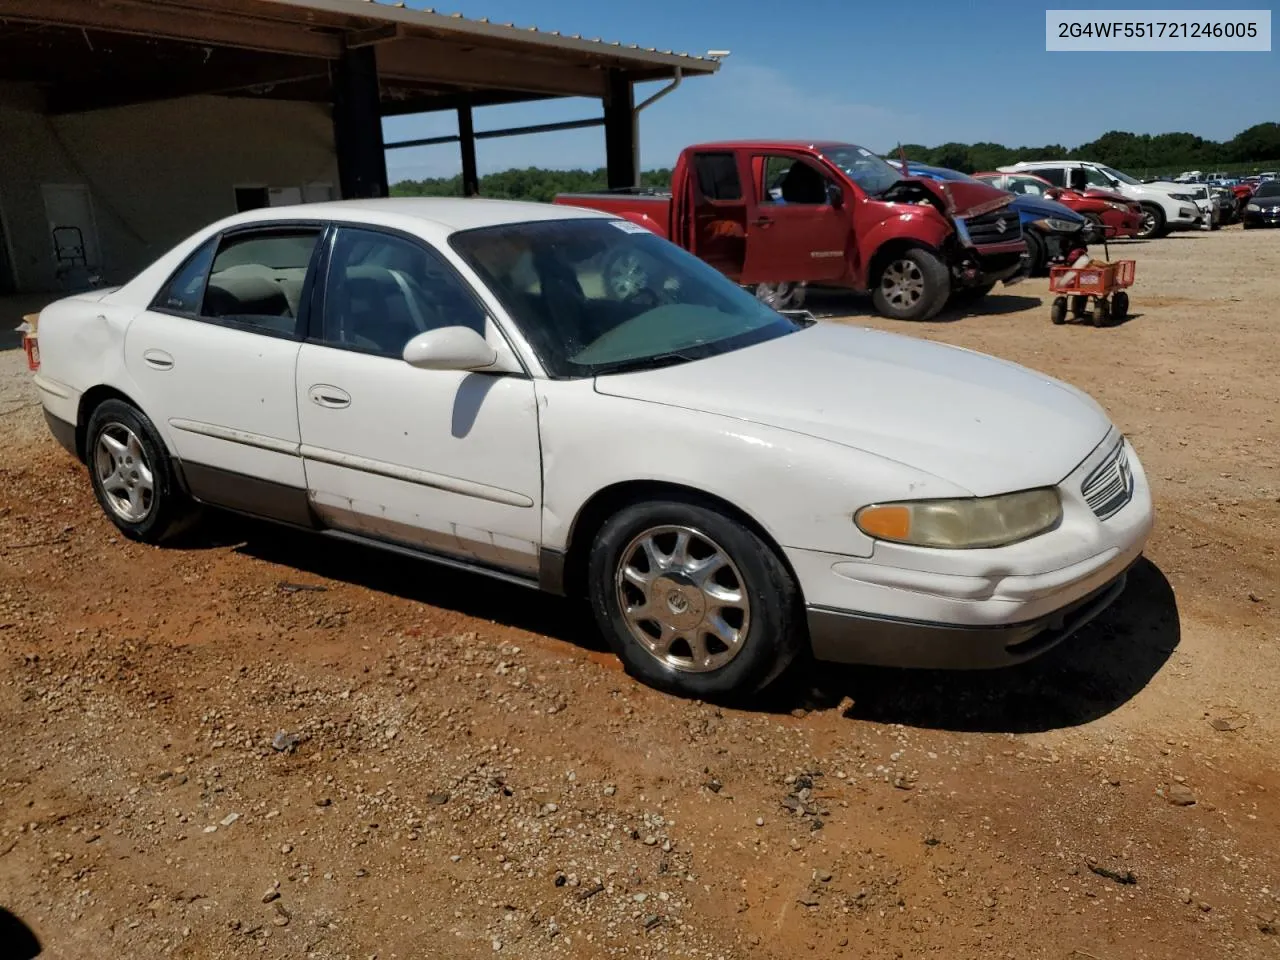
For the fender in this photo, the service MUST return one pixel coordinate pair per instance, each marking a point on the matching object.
(919, 225)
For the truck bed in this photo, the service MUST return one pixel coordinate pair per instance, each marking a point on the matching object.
(648, 208)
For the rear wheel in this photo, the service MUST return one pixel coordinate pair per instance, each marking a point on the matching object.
(1058, 311)
(132, 475)
(692, 601)
(914, 285)
(1119, 306)
(781, 296)
(1101, 314)
(1153, 223)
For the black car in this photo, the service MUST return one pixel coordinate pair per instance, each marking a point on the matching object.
(1263, 208)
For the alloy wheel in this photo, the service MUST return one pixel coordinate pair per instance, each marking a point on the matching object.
(902, 284)
(124, 473)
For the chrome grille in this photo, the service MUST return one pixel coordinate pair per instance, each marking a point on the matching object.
(998, 226)
(1110, 486)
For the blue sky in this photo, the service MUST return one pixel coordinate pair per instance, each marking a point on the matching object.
(928, 72)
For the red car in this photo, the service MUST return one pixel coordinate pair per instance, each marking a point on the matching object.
(779, 215)
(1119, 216)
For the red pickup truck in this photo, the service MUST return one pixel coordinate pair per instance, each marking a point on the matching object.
(779, 215)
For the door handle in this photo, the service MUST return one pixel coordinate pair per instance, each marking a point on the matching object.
(324, 395)
(157, 359)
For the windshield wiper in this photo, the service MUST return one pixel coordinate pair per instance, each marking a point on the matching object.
(642, 363)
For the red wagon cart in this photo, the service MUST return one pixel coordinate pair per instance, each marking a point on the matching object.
(1101, 281)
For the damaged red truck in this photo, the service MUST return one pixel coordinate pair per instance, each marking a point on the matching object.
(777, 216)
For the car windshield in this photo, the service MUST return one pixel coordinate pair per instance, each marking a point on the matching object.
(1269, 189)
(863, 167)
(1117, 175)
(595, 296)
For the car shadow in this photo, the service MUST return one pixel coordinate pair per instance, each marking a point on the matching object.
(993, 304)
(17, 941)
(1089, 675)
(420, 581)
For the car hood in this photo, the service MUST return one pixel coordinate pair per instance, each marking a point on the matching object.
(981, 423)
(1037, 208)
(1108, 195)
(965, 199)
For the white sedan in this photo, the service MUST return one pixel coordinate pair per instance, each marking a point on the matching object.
(727, 486)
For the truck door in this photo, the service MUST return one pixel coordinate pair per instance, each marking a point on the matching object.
(799, 226)
(719, 206)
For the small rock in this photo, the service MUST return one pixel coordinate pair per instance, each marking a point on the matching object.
(759, 821)
(610, 790)
(640, 897)
(284, 742)
(989, 903)
(799, 713)
(1180, 795)
(324, 802)
(1204, 906)
(271, 896)
(497, 945)
(1185, 896)
(845, 704)
(715, 786)
(650, 841)
(281, 919)
(651, 921)
(824, 876)
(229, 819)
(438, 799)
(808, 899)
(286, 848)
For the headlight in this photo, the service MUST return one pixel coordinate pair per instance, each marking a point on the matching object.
(1253, 206)
(1124, 207)
(963, 524)
(1183, 197)
(1057, 226)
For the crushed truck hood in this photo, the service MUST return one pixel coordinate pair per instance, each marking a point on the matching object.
(981, 423)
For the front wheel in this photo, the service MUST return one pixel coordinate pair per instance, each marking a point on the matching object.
(132, 475)
(1154, 224)
(1036, 254)
(914, 285)
(692, 601)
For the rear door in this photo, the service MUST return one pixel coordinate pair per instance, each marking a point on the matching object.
(795, 232)
(213, 359)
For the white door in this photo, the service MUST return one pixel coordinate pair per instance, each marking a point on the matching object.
(443, 460)
(214, 365)
(69, 212)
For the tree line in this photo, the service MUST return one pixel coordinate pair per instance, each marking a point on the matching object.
(1251, 150)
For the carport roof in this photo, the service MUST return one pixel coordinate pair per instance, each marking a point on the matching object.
(88, 54)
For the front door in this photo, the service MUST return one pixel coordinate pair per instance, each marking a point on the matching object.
(442, 460)
(795, 232)
(216, 352)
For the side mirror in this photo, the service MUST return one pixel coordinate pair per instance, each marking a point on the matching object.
(835, 196)
(449, 348)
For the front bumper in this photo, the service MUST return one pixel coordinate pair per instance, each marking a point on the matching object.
(998, 261)
(1188, 216)
(841, 636)
(914, 607)
(1265, 218)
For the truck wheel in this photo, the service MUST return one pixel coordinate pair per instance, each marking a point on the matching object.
(781, 296)
(914, 285)
(1154, 225)
(692, 601)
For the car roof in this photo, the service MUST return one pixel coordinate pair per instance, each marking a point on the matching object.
(449, 213)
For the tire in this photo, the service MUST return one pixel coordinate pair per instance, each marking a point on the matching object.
(1058, 310)
(765, 624)
(1101, 314)
(1154, 224)
(1036, 253)
(121, 449)
(781, 296)
(1078, 306)
(1119, 306)
(914, 285)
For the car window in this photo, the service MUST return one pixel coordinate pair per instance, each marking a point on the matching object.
(1097, 178)
(382, 290)
(595, 296)
(718, 176)
(792, 181)
(185, 289)
(1028, 186)
(1269, 189)
(257, 279)
(1055, 175)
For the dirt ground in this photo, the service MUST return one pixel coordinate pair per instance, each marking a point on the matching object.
(262, 744)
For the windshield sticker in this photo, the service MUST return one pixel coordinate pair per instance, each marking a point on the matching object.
(626, 226)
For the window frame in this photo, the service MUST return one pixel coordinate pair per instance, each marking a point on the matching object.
(301, 321)
(319, 293)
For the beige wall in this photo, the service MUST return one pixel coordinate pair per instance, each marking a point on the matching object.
(155, 172)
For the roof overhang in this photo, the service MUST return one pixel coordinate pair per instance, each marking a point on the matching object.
(90, 54)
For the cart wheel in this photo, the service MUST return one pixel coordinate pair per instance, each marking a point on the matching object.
(1119, 306)
(1078, 306)
(1101, 314)
(1058, 312)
